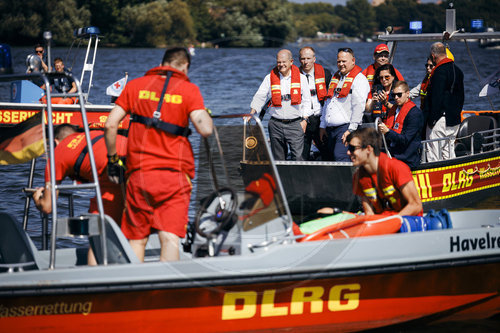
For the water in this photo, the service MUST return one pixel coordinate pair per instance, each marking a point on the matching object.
(228, 78)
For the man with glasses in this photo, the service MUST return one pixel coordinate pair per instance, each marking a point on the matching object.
(381, 57)
(40, 51)
(289, 93)
(385, 185)
(403, 126)
(345, 104)
(318, 79)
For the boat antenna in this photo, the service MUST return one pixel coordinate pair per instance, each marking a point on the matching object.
(47, 35)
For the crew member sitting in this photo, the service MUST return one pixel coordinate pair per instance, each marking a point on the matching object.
(63, 85)
(385, 185)
(403, 126)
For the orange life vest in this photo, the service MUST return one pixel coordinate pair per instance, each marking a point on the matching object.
(346, 88)
(320, 82)
(397, 124)
(295, 94)
(442, 62)
(423, 89)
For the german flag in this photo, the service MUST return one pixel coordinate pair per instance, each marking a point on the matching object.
(22, 142)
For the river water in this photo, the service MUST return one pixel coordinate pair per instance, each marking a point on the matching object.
(228, 78)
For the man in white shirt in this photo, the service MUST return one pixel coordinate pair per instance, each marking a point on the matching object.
(343, 110)
(318, 79)
(289, 93)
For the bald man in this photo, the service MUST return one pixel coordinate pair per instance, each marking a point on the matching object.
(288, 91)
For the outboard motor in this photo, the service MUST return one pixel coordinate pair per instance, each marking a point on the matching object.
(5, 59)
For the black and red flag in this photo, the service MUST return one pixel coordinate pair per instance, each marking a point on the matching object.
(22, 142)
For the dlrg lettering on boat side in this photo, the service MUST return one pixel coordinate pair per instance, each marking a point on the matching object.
(245, 304)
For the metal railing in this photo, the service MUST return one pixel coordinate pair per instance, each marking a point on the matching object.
(475, 143)
(56, 187)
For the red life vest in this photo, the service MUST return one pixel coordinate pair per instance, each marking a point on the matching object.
(442, 62)
(346, 88)
(320, 82)
(397, 124)
(369, 72)
(295, 93)
(381, 188)
(423, 89)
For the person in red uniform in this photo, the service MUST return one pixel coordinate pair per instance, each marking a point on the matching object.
(381, 57)
(69, 147)
(385, 185)
(160, 163)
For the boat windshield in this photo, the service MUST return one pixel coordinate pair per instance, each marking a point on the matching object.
(259, 193)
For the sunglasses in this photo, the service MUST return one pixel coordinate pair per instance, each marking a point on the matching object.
(429, 65)
(398, 95)
(382, 54)
(345, 49)
(37, 51)
(352, 148)
(386, 77)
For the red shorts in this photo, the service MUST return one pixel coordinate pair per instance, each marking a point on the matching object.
(112, 201)
(156, 199)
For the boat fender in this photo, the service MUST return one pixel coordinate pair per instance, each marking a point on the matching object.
(413, 223)
(438, 220)
(432, 221)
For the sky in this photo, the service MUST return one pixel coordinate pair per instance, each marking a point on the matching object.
(340, 2)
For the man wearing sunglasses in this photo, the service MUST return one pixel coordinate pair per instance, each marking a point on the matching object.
(381, 57)
(344, 107)
(40, 52)
(385, 185)
(403, 126)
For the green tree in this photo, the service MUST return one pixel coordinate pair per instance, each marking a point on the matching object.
(183, 31)
(21, 21)
(146, 24)
(359, 19)
(204, 23)
(151, 24)
(64, 18)
(253, 22)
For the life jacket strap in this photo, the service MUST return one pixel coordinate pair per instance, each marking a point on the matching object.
(161, 125)
(81, 157)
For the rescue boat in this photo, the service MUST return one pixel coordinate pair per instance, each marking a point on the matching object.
(242, 268)
(471, 180)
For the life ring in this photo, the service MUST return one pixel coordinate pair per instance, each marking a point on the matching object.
(60, 100)
(360, 226)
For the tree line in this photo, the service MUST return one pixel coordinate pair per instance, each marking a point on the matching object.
(224, 23)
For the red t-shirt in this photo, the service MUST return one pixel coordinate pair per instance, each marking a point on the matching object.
(392, 175)
(67, 151)
(150, 148)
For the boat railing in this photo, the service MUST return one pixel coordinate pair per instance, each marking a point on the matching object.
(472, 144)
(46, 77)
(441, 143)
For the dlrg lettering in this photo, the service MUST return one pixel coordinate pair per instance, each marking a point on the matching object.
(244, 304)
